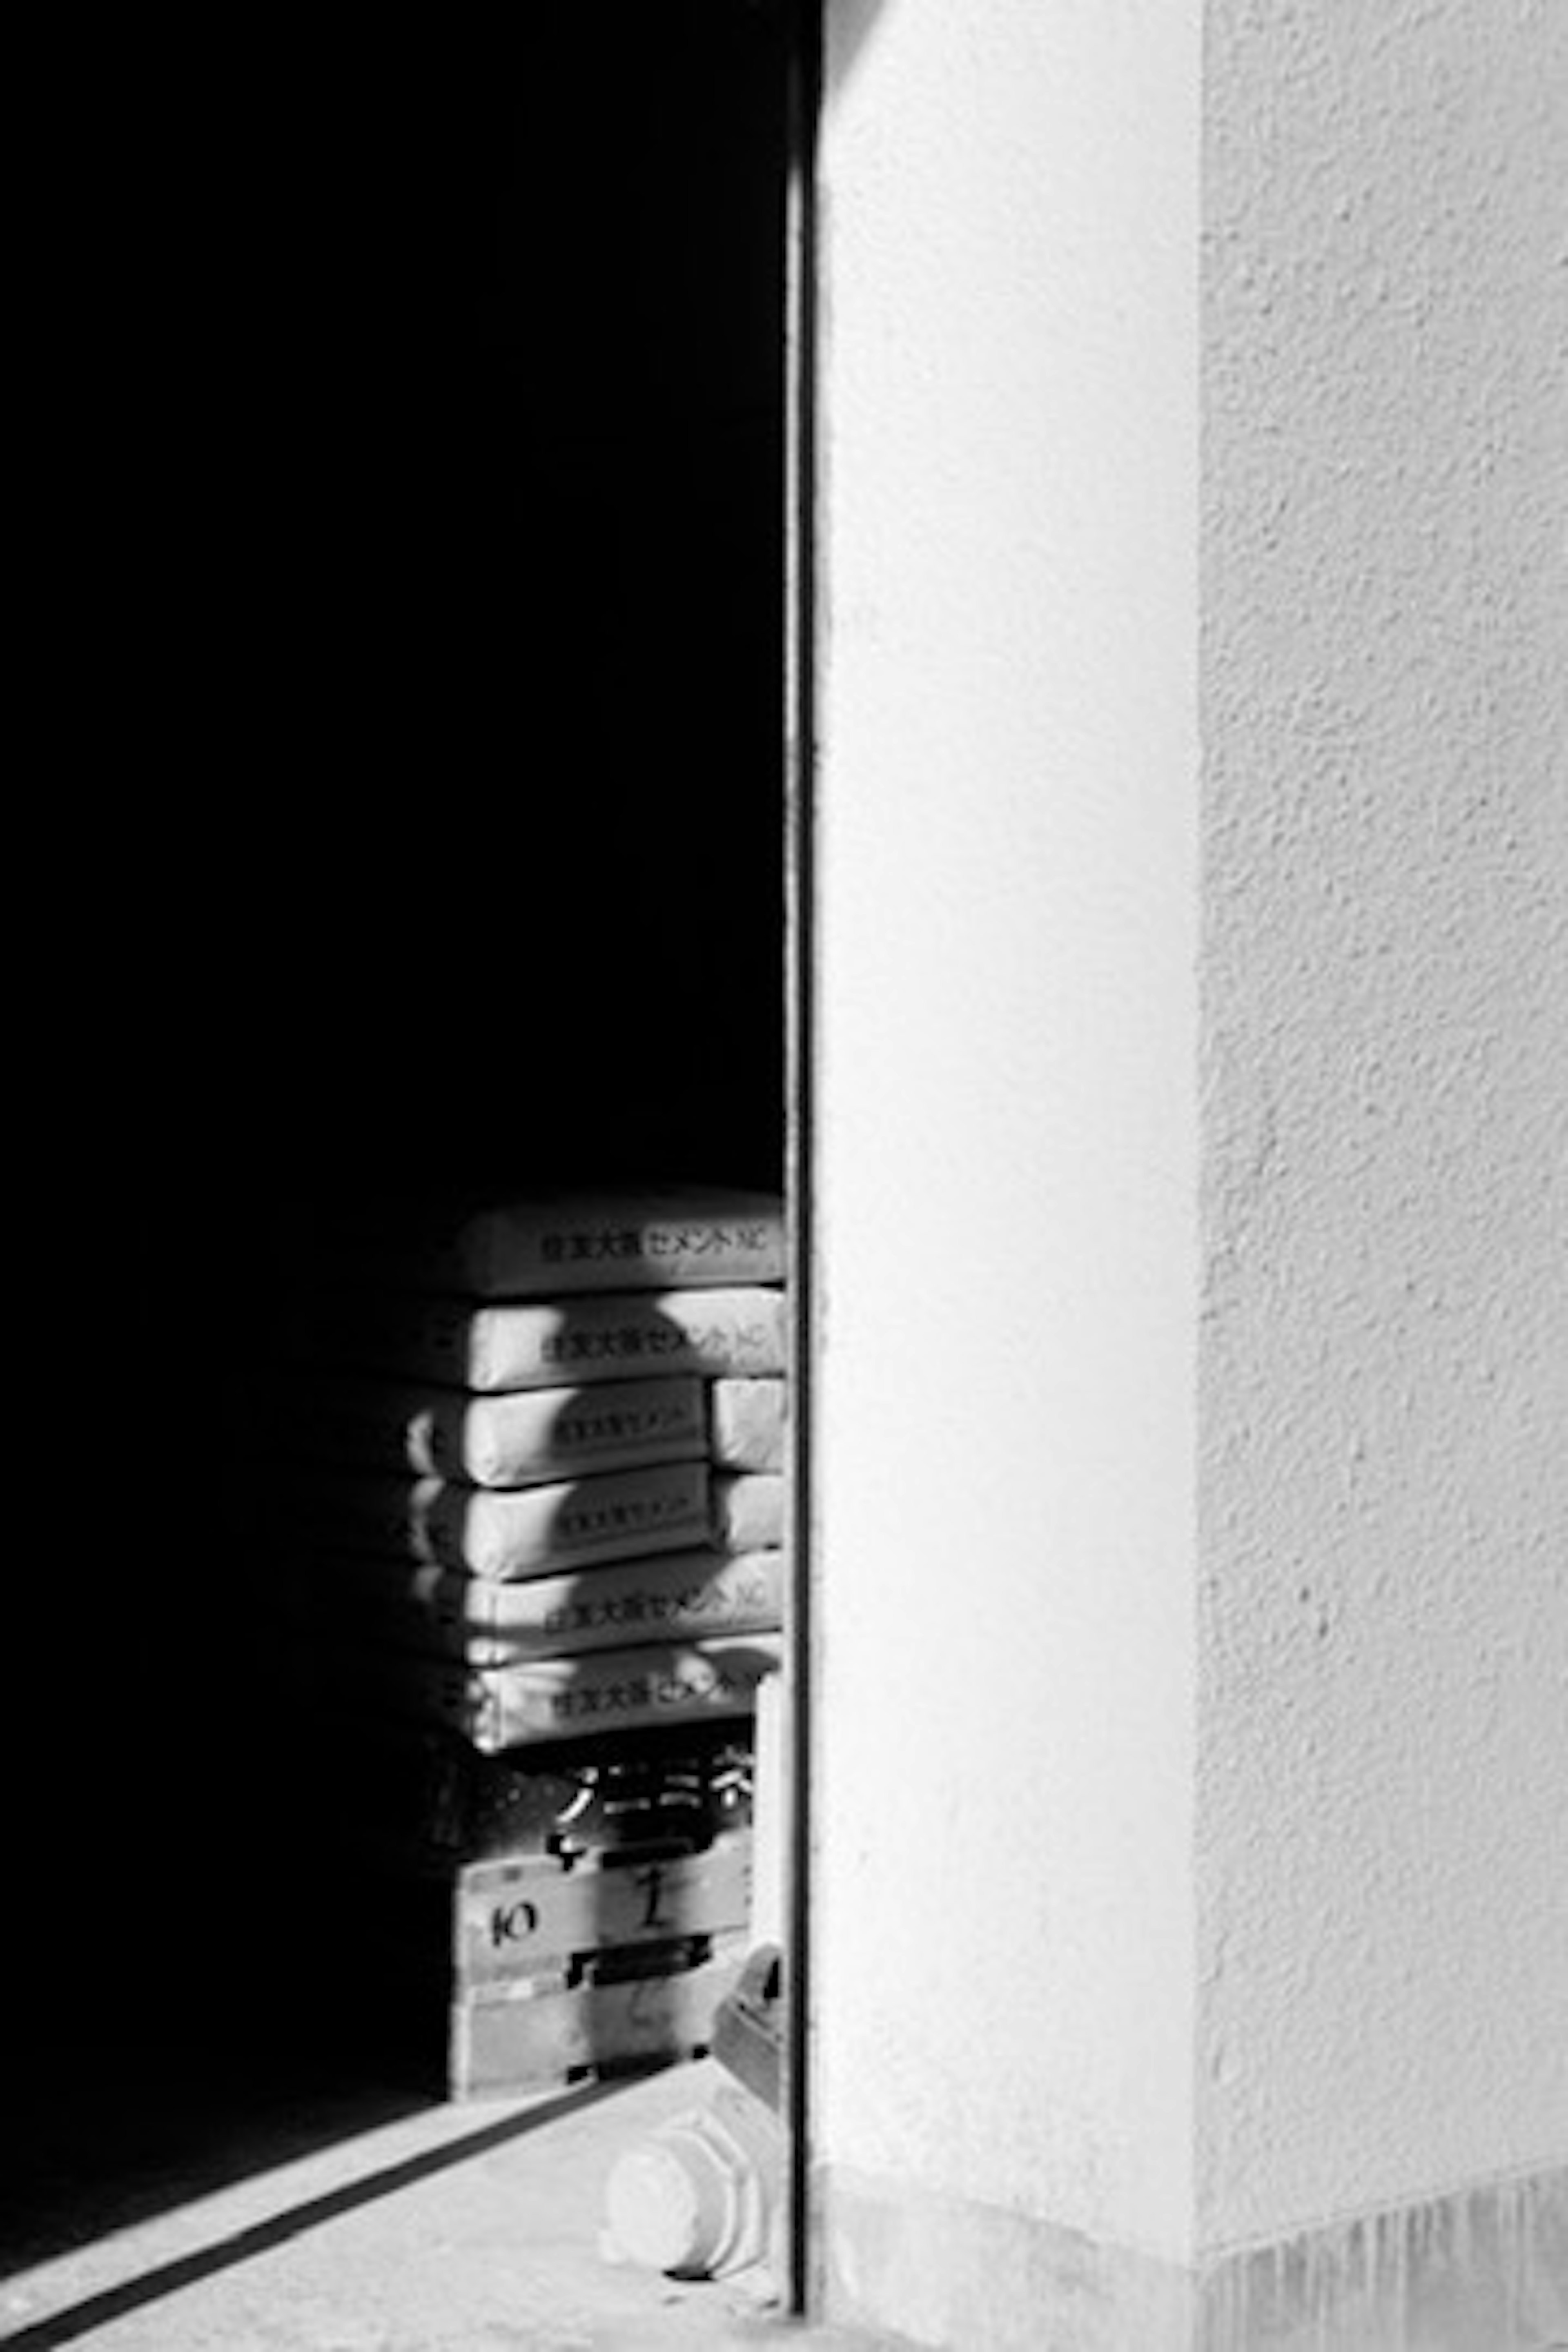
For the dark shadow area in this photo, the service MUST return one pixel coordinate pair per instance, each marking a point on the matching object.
(415, 826)
(68, 2325)
(146, 2133)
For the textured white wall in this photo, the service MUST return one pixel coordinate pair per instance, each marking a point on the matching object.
(1007, 1164)
(1384, 1476)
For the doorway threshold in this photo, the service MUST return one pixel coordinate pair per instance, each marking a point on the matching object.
(477, 2227)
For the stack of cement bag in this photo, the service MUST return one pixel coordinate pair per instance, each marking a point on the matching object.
(538, 1485)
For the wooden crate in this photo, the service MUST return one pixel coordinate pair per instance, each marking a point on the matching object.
(609, 1965)
(506, 2040)
(427, 1801)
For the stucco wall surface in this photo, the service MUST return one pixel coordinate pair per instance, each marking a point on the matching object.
(1006, 1180)
(1384, 1391)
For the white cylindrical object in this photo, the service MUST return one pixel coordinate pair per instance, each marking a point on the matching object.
(699, 2197)
(768, 1783)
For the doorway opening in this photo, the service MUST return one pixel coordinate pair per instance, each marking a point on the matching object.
(459, 667)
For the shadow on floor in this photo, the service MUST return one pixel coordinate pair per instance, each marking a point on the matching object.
(186, 2168)
(99, 2141)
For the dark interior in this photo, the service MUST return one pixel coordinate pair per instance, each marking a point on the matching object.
(416, 826)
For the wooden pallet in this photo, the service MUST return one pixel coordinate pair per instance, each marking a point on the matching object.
(603, 1966)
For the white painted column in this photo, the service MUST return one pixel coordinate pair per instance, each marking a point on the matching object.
(1192, 1936)
(1383, 1726)
(1007, 1176)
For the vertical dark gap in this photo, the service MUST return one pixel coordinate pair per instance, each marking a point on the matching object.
(801, 336)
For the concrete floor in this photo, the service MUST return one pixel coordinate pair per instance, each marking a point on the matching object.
(341, 2222)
